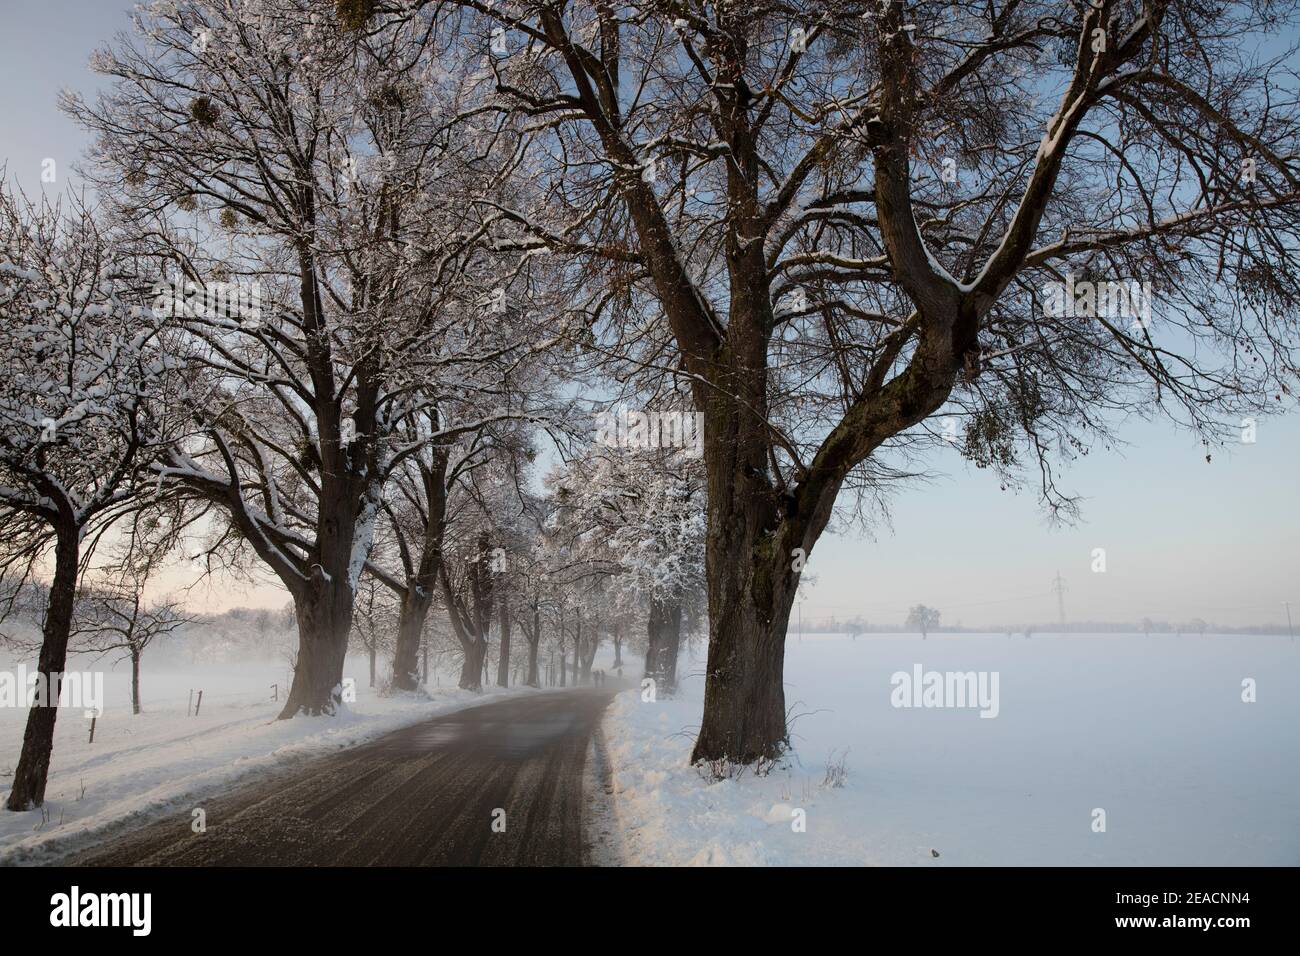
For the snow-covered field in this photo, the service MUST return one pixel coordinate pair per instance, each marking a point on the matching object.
(163, 761)
(1151, 730)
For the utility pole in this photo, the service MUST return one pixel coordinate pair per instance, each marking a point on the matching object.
(1290, 630)
(1059, 586)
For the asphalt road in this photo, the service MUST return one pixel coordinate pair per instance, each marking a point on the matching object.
(427, 795)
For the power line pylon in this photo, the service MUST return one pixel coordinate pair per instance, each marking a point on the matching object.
(1058, 584)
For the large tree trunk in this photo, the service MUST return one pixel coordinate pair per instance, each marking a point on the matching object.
(744, 694)
(663, 638)
(577, 650)
(534, 642)
(758, 541)
(135, 681)
(672, 643)
(503, 653)
(38, 739)
(653, 629)
(471, 618)
(324, 612)
(471, 667)
(749, 566)
(618, 645)
(563, 667)
(418, 596)
(589, 652)
(410, 627)
(533, 679)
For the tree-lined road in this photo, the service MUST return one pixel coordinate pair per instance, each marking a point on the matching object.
(423, 795)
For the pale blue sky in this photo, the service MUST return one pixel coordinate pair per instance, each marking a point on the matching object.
(1183, 538)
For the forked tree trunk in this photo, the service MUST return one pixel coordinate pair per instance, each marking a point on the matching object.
(471, 667)
(471, 617)
(410, 628)
(503, 654)
(33, 768)
(756, 546)
(418, 596)
(324, 612)
(751, 587)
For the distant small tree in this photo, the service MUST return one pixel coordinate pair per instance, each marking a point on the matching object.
(374, 621)
(923, 619)
(263, 625)
(117, 620)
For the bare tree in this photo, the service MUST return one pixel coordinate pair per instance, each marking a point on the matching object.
(374, 620)
(117, 619)
(846, 214)
(922, 618)
(309, 159)
(82, 413)
(425, 496)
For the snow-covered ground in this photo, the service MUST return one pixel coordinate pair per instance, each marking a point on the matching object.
(1151, 730)
(163, 761)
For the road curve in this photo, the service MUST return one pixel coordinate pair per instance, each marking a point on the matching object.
(426, 795)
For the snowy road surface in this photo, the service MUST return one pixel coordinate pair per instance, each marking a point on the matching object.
(490, 785)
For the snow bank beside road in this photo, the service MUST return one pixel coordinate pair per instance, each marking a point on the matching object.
(161, 761)
(1153, 730)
